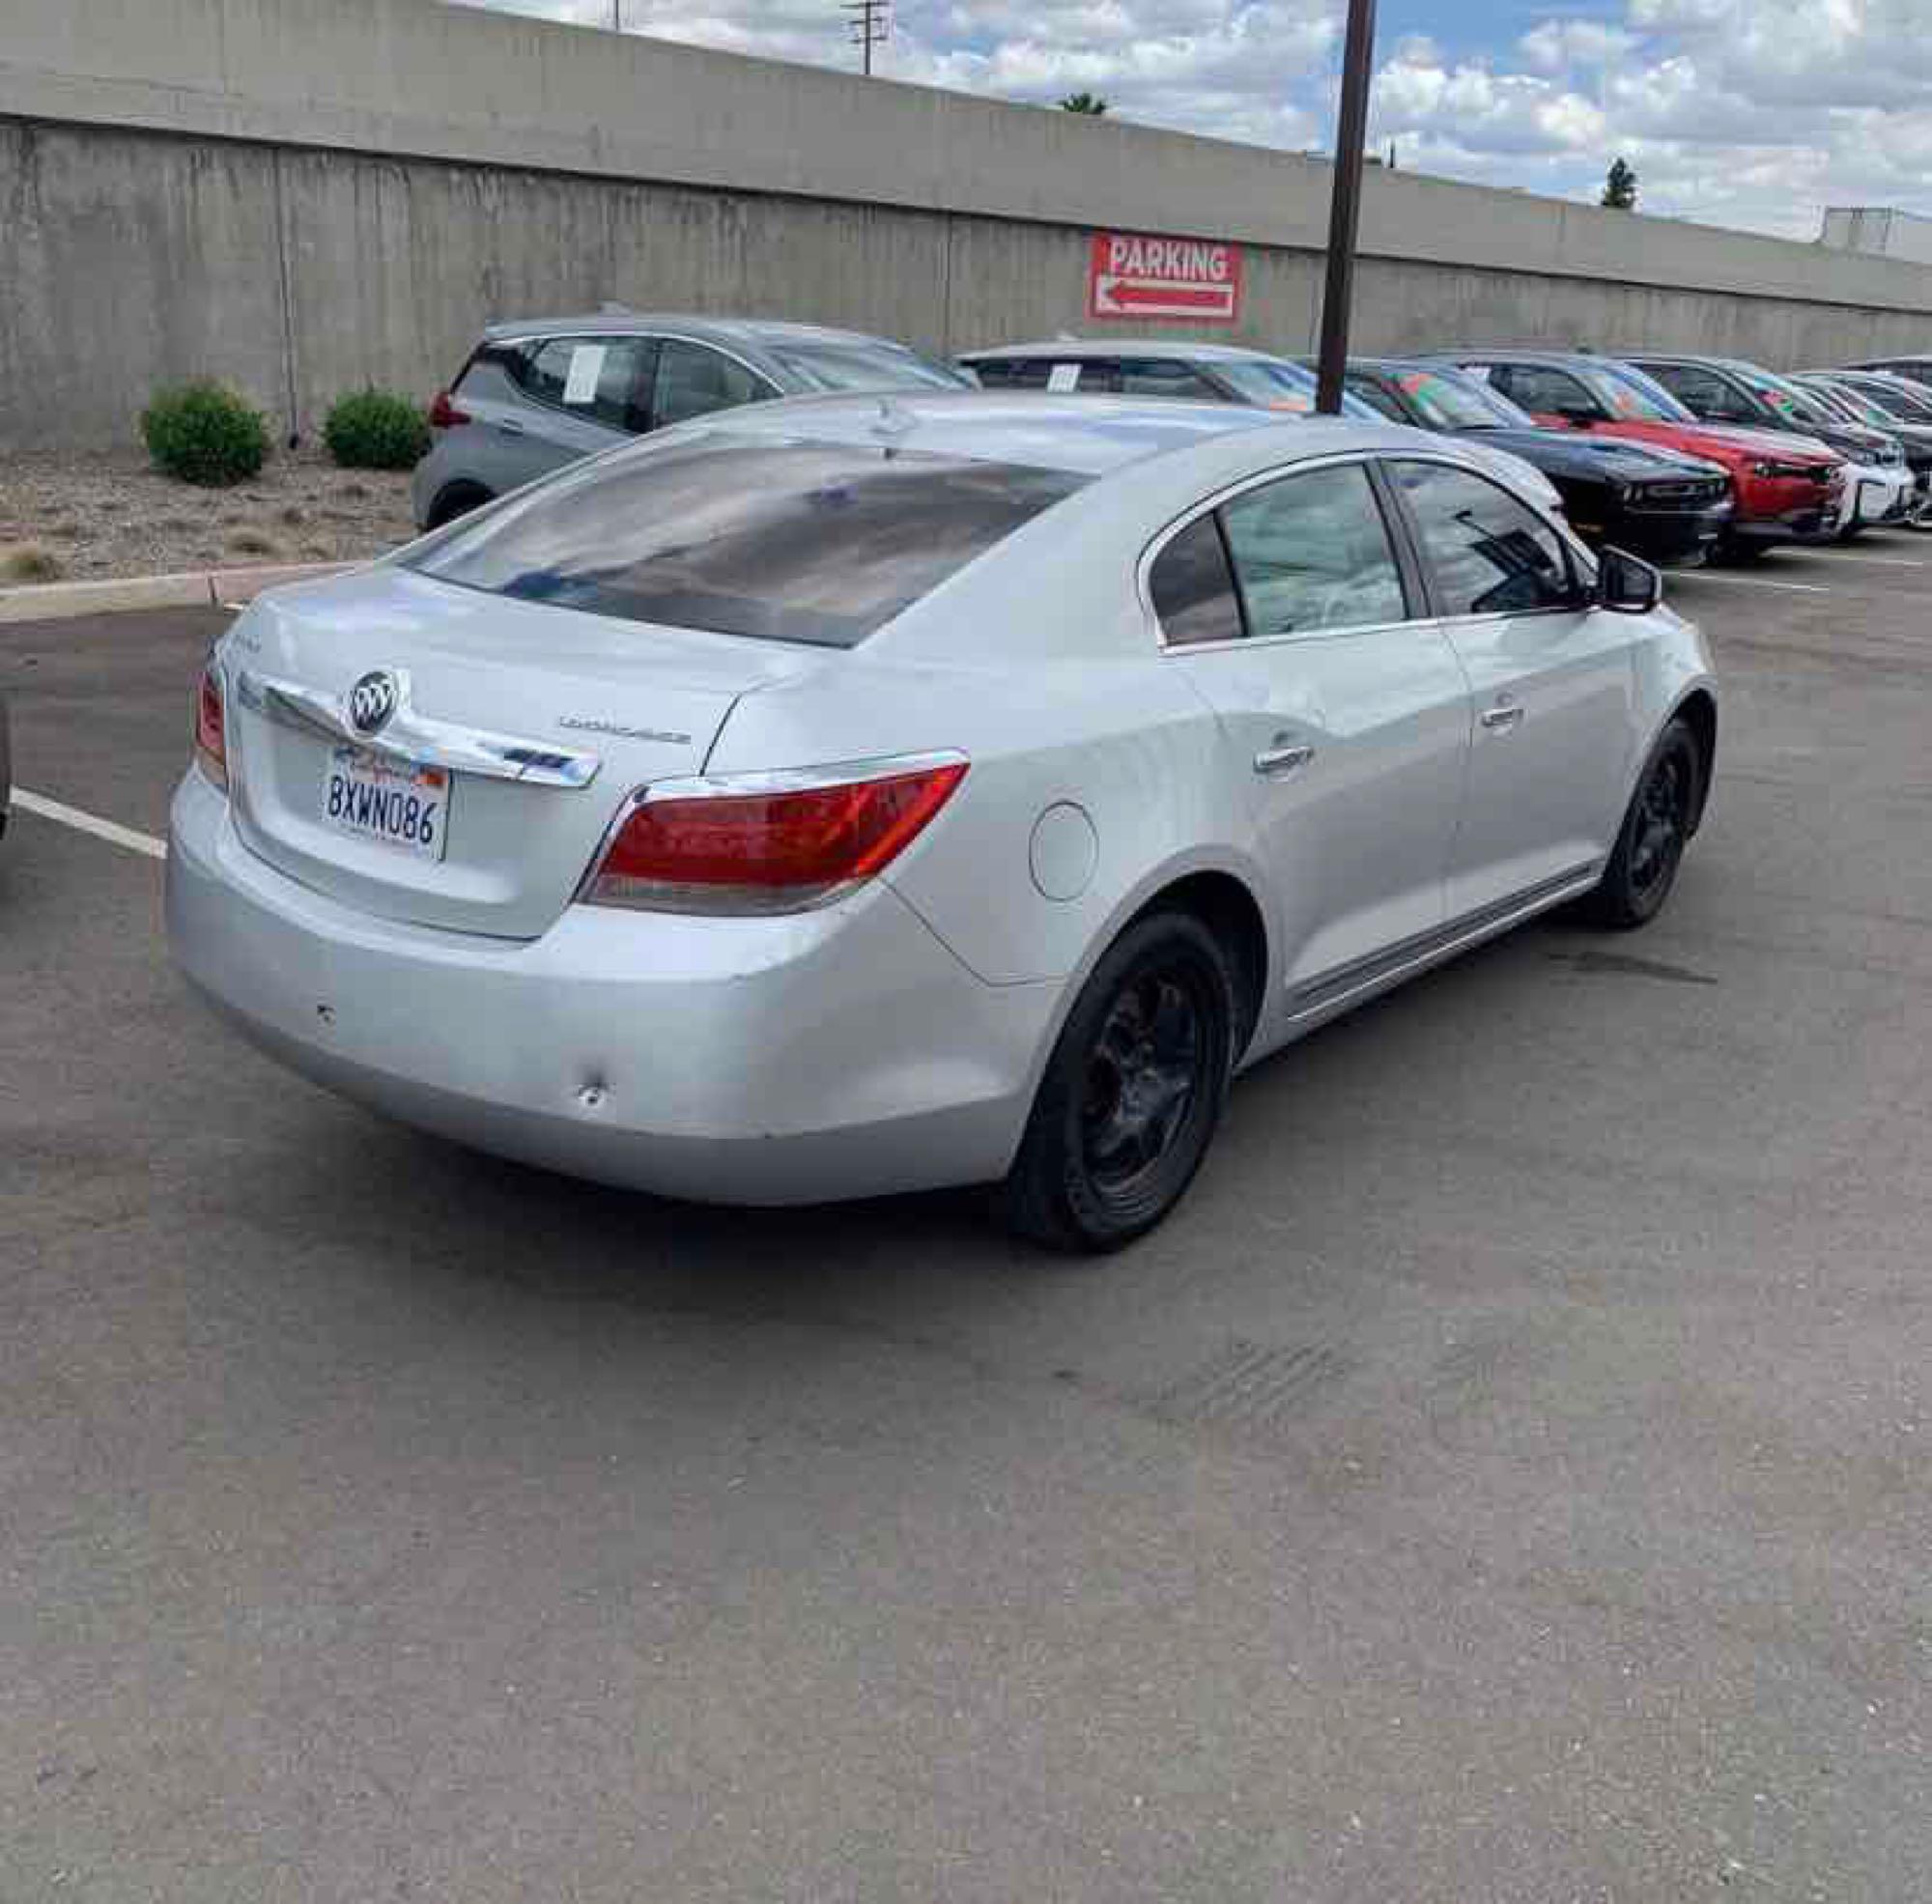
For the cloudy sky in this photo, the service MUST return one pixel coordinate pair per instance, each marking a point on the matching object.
(1740, 112)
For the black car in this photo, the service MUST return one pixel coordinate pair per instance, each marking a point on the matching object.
(1730, 391)
(1654, 502)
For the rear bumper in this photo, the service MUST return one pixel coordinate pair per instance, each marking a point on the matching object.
(835, 1054)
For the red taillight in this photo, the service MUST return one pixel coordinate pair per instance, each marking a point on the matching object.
(444, 414)
(766, 842)
(211, 739)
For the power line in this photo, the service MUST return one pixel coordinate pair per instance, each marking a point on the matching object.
(870, 25)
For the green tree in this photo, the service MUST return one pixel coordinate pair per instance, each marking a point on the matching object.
(1620, 186)
(1092, 104)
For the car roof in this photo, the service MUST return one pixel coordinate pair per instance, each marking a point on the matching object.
(1090, 435)
(616, 320)
(1115, 347)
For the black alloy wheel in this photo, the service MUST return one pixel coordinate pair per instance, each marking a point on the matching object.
(1650, 848)
(1132, 1093)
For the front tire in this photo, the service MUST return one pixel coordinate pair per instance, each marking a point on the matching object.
(1132, 1093)
(1643, 865)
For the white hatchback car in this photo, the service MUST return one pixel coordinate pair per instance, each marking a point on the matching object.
(857, 795)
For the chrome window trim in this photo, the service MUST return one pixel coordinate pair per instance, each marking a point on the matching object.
(417, 739)
(1336, 459)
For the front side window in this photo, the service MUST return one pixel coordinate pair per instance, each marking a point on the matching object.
(779, 539)
(1703, 392)
(1311, 553)
(1541, 391)
(1193, 587)
(1488, 554)
(694, 381)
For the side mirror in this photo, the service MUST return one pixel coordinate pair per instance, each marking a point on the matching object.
(1626, 586)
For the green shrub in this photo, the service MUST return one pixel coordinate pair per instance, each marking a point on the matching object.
(30, 563)
(205, 433)
(376, 430)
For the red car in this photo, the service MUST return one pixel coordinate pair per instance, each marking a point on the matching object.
(1787, 489)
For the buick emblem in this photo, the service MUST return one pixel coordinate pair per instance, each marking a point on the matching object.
(371, 700)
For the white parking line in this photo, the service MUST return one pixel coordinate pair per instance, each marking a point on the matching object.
(65, 816)
(1758, 581)
(1860, 560)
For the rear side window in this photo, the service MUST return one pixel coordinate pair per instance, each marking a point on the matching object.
(785, 540)
(1193, 587)
(1312, 553)
(1014, 374)
(1490, 553)
(607, 380)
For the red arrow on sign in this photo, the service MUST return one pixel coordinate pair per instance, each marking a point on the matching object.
(1193, 296)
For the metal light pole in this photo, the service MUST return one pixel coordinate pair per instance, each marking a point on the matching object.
(1344, 213)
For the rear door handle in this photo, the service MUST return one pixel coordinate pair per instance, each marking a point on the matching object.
(510, 427)
(1499, 720)
(1273, 764)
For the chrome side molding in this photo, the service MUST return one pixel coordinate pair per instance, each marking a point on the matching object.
(410, 736)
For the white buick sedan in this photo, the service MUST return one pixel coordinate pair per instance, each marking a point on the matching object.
(861, 795)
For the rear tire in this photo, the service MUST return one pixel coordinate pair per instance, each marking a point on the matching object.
(1133, 1091)
(458, 499)
(1650, 846)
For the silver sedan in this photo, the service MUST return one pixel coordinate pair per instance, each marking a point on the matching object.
(856, 795)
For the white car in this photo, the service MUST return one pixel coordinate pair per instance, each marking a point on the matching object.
(856, 795)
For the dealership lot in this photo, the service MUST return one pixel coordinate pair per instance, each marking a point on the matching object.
(1502, 1479)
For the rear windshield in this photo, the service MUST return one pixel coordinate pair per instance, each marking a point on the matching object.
(1278, 384)
(857, 366)
(1447, 400)
(1635, 395)
(809, 542)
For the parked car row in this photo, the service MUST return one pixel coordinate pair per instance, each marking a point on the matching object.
(1676, 458)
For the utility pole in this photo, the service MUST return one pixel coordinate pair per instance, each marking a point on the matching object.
(1344, 211)
(616, 16)
(871, 23)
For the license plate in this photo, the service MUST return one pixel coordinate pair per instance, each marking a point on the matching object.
(402, 806)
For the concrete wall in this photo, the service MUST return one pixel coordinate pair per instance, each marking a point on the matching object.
(303, 197)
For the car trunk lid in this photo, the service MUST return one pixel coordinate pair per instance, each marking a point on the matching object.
(535, 722)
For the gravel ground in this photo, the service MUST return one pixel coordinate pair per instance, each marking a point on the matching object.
(87, 518)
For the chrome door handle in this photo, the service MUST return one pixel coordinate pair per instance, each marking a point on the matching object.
(1274, 763)
(510, 427)
(1498, 720)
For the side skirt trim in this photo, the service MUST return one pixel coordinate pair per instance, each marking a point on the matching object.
(1336, 988)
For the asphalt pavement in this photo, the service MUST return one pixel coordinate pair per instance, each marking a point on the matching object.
(1503, 1480)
